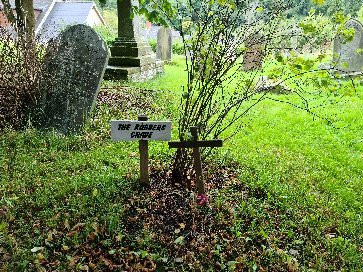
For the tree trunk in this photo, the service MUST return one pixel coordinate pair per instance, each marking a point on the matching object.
(25, 17)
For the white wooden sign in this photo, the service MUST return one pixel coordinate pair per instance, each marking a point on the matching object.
(140, 130)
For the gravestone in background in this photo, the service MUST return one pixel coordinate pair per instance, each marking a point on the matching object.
(76, 65)
(164, 44)
(294, 33)
(131, 55)
(253, 56)
(348, 56)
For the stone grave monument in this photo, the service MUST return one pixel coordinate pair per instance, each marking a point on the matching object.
(348, 56)
(131, 56)
(253, 56)
(164, 44)
(74, 66)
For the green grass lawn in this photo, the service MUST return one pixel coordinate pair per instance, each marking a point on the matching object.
(290, 195)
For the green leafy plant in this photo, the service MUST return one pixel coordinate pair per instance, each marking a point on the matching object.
(317, 31)
(178, 48)
(360, 14)
(107, 33)
(153, 44)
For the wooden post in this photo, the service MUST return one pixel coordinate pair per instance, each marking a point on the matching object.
(142, 131)
(144, 157)
(197, 162)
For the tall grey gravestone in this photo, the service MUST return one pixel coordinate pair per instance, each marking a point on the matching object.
(164, 44)
(348, 56)
(76, 66)
(131, 55)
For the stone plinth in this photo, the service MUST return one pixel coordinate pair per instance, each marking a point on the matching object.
(131, 56)
(132, 60)
(134, 73)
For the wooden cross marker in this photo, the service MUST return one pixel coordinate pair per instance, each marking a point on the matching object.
(142, 131)
(196, 145)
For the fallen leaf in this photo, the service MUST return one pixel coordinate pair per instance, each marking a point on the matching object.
(66, 224)
(36, 249)
(107, 262)
(72, 262)
(293, 265)
(133, 154)
(133, 219)
(72, 233)
(179, 240)
(40, 257)
(78, 226)
(92, 236)
(6, 257)
(84, 268)
(49, 237)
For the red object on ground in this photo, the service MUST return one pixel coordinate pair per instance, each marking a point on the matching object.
(202, 200)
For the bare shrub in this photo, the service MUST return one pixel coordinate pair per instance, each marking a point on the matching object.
(226, 44)
(20, 73)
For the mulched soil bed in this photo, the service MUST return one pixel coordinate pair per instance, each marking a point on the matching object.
(191, 237)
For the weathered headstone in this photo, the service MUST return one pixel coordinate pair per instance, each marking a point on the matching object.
(76, 65)
(164, 44)
(348, 56)
(253, 56)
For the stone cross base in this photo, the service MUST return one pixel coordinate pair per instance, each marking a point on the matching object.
(132, 59)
